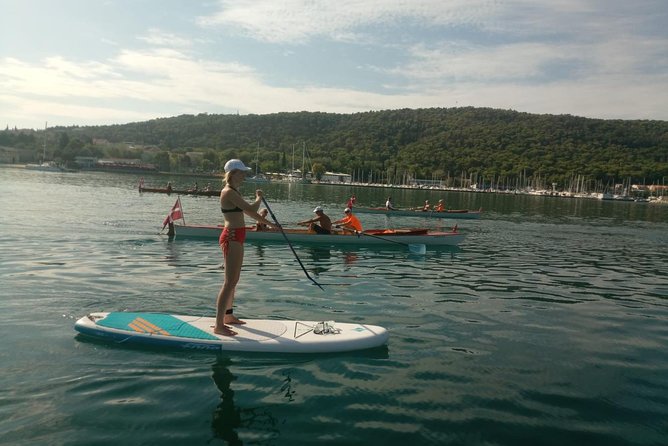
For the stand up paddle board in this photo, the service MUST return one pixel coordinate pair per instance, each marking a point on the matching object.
(257, 335)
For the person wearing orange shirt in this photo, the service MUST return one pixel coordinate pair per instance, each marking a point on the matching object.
(350, 222)
(440, 207)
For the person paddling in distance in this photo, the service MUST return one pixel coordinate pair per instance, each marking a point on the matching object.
(389, 205)
(349, 223)
(231, 240)
(320, 224)
(351, 201)
(261, 226)
(440, 207)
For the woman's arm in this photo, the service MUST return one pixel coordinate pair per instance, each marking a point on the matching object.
(308, 222)
(249, 209)
(258, 200)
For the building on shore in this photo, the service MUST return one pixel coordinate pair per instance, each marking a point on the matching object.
(333, 177)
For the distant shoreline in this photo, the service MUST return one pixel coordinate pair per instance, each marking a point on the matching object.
(553, 194)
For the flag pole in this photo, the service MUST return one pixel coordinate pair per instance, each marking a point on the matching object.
(183, 215)
(175, 212)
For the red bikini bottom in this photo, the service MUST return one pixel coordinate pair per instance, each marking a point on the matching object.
(231, 235)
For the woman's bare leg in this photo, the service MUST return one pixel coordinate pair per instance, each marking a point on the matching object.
(229, 317)
(225, 299)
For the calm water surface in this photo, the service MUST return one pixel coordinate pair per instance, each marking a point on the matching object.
(548, 325)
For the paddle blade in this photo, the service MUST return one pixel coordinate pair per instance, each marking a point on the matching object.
(417, 249)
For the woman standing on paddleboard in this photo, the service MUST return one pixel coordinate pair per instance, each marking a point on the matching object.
(233, 207)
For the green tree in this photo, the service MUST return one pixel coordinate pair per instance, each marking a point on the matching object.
(497, 145)
(162, 161)
(318, 170)
(63, 140)
(207, 165)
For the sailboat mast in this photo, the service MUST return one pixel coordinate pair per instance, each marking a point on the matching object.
(257, 157)
(46, 124)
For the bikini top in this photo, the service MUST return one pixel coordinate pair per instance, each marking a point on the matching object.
(235, 209)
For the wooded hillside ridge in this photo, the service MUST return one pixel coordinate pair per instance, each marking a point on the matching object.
(436, 143)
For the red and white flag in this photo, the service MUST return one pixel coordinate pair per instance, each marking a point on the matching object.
(174, 214)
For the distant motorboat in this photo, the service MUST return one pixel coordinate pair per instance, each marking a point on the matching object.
(47, 166)
(614, 197)
(257, 179)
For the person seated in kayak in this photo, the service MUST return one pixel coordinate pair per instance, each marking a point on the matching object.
(349, 223)
(388, 204)
(169, 187)
(426, 206)
(261, 226)
(440, 207)
(320, 224)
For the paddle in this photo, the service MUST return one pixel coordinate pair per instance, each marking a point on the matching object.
(289, 244)
(414, 248)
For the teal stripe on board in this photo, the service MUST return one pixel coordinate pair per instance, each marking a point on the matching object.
(167, 322)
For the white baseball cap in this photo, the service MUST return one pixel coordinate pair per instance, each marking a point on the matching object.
(235, 164)
(317, 209)
(346, 210)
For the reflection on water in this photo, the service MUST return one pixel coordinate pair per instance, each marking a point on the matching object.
(287, 388)
(172, 252)
(318, 259)
(226, 417)
(229, 418)
(349, 258)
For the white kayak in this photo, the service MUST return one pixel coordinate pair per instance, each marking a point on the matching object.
(257, 335)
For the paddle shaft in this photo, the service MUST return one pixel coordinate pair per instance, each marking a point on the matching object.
(421, 247)
(381, 238)
(273, 217)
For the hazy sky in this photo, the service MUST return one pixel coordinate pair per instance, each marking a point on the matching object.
(87, 62)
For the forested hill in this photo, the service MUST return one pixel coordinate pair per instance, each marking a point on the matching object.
(427, 143)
